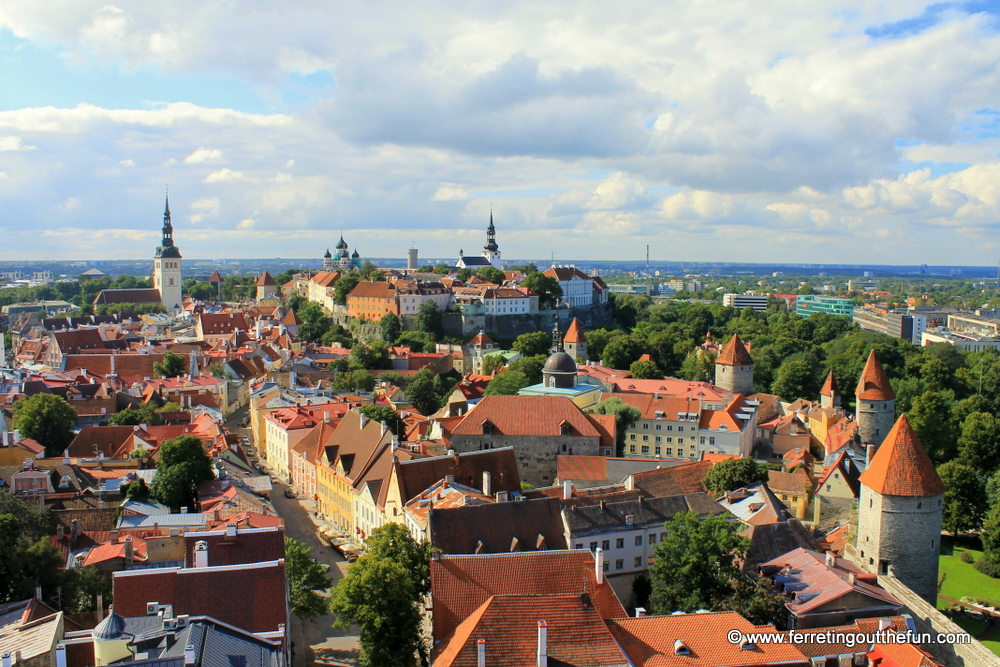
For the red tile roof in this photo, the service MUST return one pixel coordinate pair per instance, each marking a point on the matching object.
(591, 468)
(575, 634)
(461, 584)
(562, 273)
(265, 280)
(291, 319)
(901, 467)
(575, 333)
(734, 353)
(526, 416)
(873, 385)
(673, 481)
(251, 597)
(370, 290)
(222, 324)
(418, 475)
(829, 387)
(650, 641)
(257, 545)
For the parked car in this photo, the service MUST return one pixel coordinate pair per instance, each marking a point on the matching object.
(289, 494)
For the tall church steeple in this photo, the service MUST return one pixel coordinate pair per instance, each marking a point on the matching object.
(491, 251)
(167, 265)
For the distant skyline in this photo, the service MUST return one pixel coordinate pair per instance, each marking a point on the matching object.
(804, 132)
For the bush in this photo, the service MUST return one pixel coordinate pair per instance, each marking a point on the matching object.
(988, 567)
(966, 557)
(941, 578)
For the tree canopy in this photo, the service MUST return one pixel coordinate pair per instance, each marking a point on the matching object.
(305, 579)
(625, 418)
(733, 474)
(172, 365)
(507, 383)
(181, 465)
(48, 419)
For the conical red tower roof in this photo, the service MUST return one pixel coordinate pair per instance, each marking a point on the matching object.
(873, 385)
(265, 279)
(901, 467)
(215, 279)
(735, 353)
(829, 387)
(575, 333)
(291, 319)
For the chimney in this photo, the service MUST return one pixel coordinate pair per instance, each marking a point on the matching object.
(543, 644)
(487, 483)
(326, 416)
(362, 421)
(230, 530)
(450, 479)
(599, 566)
(884, 624)
(201, 553)
(59, 532)
(831, 559)
(100, 607)
(38, 593)
(640, 612)
(852, 578)
(385, 428)
(869, 453)
(630, 483)
(60, 655)
(189, 654)
(129, 553)
(567, 490)
(481, 653)
(7, 661)
(114, 537)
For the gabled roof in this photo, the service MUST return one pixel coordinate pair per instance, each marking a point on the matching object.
(508, 624)
(494, 528)
(674, 480)
(467, 468)
(291, 319)
(563, 273)
(873, 385)
(461, 584)
(526, 416)
(372, 290)
(734, 353)
(649, 641)
(249, 545)
(575, 333)
(901, 467)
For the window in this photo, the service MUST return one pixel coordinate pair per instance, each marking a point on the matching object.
(680, 441)
(638, 540)
(606, 544)
(645, 426)
(702, 440)
(652, 538)
(637, 562)
(680, 428)
(631, 449)
(919, 505)
(680, 452)
(829, 487)
(711, 441)
(607, 564)
(669, 427)
(657, 451)
(631, 436)
(620, 564)
(593, 546)
(645, 449)
(645, 438)
(657, 438)
(659, 426)
(670, 439)
(663, 536)
(670, 451)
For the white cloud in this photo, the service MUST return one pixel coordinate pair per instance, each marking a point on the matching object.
(127, 162)
(206, 155)
(12, 143)
(225, 175)
(450, 193)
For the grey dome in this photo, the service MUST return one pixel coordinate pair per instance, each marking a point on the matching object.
(111, 627)
(559, 362)
(327, 254)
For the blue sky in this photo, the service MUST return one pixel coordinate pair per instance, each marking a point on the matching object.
(819, 132)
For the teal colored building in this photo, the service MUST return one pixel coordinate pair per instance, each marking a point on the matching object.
(809, 304)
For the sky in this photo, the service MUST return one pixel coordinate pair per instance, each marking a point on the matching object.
(804, 131)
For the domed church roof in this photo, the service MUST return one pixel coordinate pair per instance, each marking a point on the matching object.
(560, 362)
(341, 244)
(111, 627)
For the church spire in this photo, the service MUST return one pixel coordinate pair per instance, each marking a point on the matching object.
(168, 229)
(491, 236)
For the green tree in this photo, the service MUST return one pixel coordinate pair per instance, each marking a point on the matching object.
(990, 562)
(532, 344)
(625, 418)
(429, 319)
(548, 289)
(345, 285)
(383, 594)
(796, 379)
(315, 322)
(48, 419)
(531, 367)
(143, 414)
(696, 564)
(383, 413)
(390, 327)
(965, 500)
(492, 363)
(171, 406)
(170, 366)
(623, 351)
(974, 403)
(421, 394)
(25, 550)
(932, 419)
(181, 465)
(374, 356)
(979, 443)
(699, 366)
(491, 274)
(733, 474)
(81, 586)
(305, 579)
(645, 370)
(507, 383)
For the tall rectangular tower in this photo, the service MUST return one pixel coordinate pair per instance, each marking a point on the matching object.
(167, 267)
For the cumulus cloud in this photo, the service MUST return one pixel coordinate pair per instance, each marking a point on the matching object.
(11, 143)
(204, 155)
(225, 175)
(450, 193)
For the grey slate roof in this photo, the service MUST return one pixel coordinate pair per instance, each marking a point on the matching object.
(585, 519)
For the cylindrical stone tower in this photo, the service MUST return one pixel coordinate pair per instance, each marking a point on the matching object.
(734, 368)
(876, 402)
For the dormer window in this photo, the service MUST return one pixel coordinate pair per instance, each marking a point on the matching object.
(680, 648)
(487, 428)
(565, 429)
